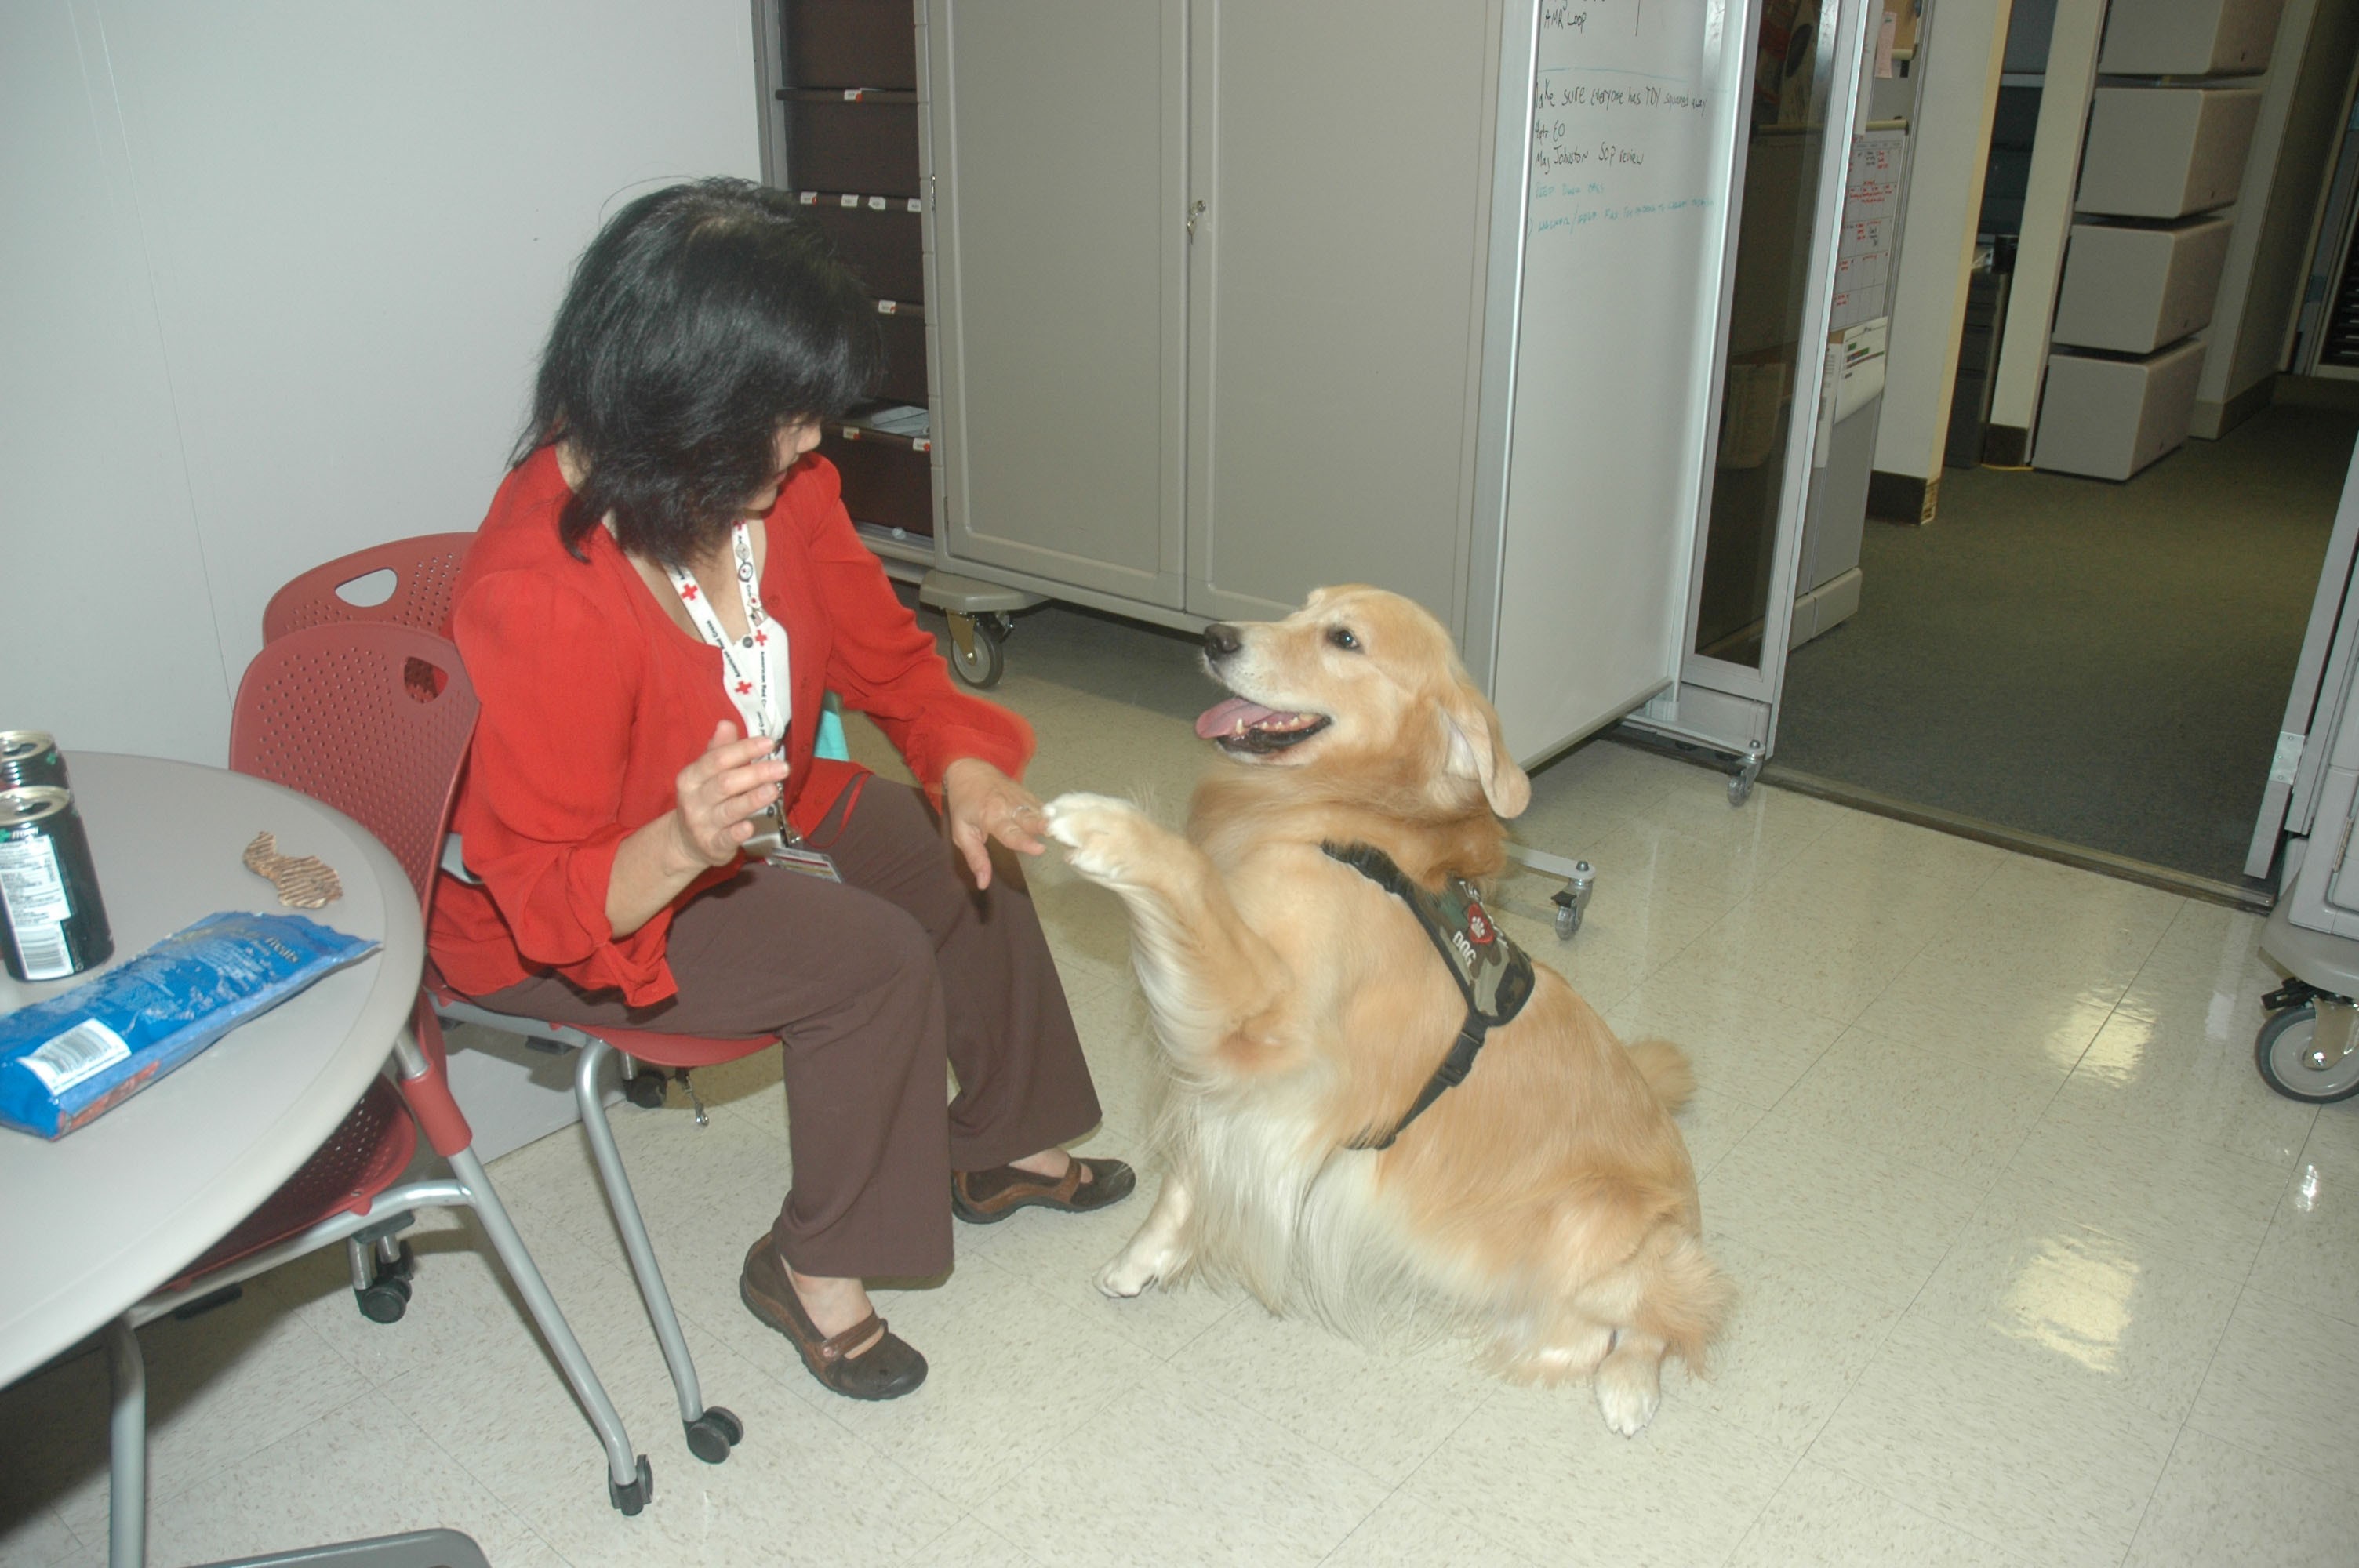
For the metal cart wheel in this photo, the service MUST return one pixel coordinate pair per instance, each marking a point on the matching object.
(2283, 1052)
(975, 649)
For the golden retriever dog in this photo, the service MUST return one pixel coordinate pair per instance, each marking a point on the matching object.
(1546, 1203)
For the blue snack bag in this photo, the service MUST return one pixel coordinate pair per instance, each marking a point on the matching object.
(75, 1056)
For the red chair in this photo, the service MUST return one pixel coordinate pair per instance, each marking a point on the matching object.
(708, 1439)
(427, 569)
(426, 580)
(374, 720)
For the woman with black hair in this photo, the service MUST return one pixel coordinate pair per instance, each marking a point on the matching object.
(666, 589)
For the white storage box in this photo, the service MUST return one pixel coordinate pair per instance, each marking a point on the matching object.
(2108, 418)
(2131, 290)
(2190, 38)
(2164, 152)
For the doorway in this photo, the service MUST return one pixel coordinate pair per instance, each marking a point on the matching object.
(2095, 664)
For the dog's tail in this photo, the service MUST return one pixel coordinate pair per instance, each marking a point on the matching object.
(1667, 1071)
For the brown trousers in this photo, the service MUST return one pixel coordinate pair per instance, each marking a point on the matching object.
(869, 984)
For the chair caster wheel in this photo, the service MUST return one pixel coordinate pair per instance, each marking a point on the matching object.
(386, 1301)
(645, 1088)
(712, 1435)
(630, 1500)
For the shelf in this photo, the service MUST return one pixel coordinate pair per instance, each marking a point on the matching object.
(846, 95)
(897, 543)
(845, 201)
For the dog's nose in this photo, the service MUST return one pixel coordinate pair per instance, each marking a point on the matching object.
(1222, 640)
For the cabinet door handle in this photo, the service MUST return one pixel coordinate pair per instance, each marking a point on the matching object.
(1194, 212)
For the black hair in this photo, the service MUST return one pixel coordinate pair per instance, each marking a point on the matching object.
(701, 319)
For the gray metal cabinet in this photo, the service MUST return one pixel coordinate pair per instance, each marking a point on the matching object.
(1057, 288)
(1133, 370)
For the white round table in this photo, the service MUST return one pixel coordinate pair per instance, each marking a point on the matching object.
(91, 1222)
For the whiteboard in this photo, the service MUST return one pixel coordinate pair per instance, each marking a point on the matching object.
(1627, 155)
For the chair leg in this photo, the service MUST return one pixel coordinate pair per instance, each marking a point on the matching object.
(126, 1493)
(634, 1232)
(623, 1470)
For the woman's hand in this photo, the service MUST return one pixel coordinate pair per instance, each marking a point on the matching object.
(980, 803)
(720, 795)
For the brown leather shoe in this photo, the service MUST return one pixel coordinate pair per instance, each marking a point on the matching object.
(986, 1197)
(886, 1370)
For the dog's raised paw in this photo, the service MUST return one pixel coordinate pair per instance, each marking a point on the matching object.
(1125, 1277)
(1094, 830)
(1628, 1393)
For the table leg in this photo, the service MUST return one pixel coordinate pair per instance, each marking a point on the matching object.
(127, 1495)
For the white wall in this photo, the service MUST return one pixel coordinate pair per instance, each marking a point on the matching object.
(1958, 64)
(271, 287)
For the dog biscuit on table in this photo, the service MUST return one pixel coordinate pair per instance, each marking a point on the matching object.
(304, 881)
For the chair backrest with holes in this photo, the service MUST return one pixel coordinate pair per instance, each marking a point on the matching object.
(373, 719)
(426, 580)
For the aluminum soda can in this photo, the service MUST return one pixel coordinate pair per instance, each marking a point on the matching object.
(29, 759)
(52, 921)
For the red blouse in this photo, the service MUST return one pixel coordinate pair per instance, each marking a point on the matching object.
(593, 699)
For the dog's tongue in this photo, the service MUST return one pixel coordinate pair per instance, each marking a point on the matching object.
(1223, 719)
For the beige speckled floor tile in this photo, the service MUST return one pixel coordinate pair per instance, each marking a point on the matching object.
(1829, 961)
(2218, 1503)
(2137, 1313)
(1740, 1043)
(1712, 1123)
(2133, 1181)
(1406, 1533)
(2285, 1382)
(38, 1537)
(363, 1471)
(1002, 1358)
(1172, 1472)
(1820, 1518)
(1060, 1254)
(2001, 1441)
(1872, 1222)
(1964, 1118)
(970, 1543)
(2311, 1252)
(1381, 1409)
(1537, 1469)
(1977, 1006)
(1793, 1345)
(2184, 1084)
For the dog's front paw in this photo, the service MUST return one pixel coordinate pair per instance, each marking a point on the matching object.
(1133, 1272)
(1628, 1393)
(1101, 835)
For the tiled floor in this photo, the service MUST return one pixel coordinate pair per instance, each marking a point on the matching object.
(2033, 1269)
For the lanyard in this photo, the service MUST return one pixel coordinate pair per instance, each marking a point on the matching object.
(753, 670)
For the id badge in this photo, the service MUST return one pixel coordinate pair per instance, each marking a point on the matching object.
(805, 861)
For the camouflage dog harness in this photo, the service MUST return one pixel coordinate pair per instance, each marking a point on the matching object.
(1493, 974)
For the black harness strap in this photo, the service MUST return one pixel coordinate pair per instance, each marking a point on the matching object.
(1493, 974)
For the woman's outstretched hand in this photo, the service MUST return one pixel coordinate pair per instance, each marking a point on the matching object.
(720, 795)
(980, 804)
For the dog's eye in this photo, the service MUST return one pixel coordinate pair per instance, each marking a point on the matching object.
(1341, 637)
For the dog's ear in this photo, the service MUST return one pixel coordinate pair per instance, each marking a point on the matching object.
(1479, 751)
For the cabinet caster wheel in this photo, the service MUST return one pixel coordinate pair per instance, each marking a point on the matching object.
(1572, 900)
(386, 1301)
(645, 1088)
(975, 649)
(2283, 1052)
(630, 1500)
(712, 1435)
(1740, 783)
